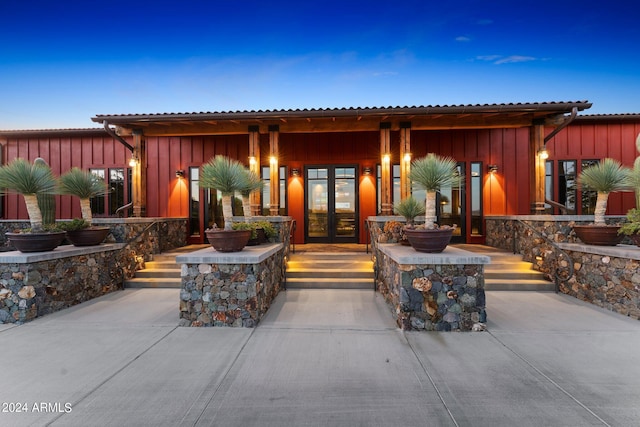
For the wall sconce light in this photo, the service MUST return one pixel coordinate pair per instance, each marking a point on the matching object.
(543, 154)
(366, 171)
(295, 172)
(252, 160)
(386, 158)
(492, 168)
(407, 157)
(273, 161)
(180, 173)
(133, 161)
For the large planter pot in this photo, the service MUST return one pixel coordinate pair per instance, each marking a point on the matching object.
(88, 236)
(430, 241)
(261, 238)
(36, 242)
(599, 235)
(228, 240)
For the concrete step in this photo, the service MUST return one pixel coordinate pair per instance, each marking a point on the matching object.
(519, 285)
(158, 273)
(329, 273)
(329, 283)
(513, 274)
(153, 282)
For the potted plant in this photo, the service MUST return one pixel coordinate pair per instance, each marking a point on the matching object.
(409, 208)
(605, 177)
(431, 173)
(30, 180)
(227, 176)
(84, 185)
(631, 228)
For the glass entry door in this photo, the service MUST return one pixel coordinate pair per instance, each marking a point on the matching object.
(450, 208)
(331, 204)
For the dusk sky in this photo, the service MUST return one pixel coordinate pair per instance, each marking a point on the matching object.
(63, 62)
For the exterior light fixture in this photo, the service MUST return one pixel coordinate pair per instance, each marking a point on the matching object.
(180, 173)
(492, 168)
(366, 170)
(407, 157)
(295, 172)
(252, 160)
(543, 154)
(133, 161)
(386, 158)
(273, 160)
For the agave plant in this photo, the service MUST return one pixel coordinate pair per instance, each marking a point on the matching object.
(28, 179)
(605, 177)
(409, 208)
(251, 183)
(431, 173)
(84, 185)
(227, 176)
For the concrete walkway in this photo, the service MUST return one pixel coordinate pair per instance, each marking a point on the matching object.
(321, 358)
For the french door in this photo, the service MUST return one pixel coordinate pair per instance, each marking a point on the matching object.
(331, 204)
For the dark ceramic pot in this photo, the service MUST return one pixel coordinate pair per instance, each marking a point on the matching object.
(88, 236)
(599, 235)
(260, 238)
(36, 242)
(228, 240)
(430, 241)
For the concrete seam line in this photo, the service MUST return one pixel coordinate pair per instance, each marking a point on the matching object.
(110, 377)
(220, 383)
(555, 384)
(431, 380)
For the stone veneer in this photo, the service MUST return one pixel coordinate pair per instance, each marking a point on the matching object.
(434, 292)
(39, 283)
(607, 276)
(230, 289)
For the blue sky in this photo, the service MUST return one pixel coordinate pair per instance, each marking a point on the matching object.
(63, 62)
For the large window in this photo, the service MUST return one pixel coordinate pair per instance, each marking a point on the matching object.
(266, 190)
(476, 198)
(548, 185)
(116, 189)
(98, 204)
(588, 198)
(567, 184)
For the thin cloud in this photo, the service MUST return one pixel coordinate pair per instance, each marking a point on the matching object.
(463, 39)
(512, 59)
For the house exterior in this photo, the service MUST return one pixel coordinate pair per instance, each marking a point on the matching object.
(331, 169)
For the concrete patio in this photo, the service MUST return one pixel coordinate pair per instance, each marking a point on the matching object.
(321, 358)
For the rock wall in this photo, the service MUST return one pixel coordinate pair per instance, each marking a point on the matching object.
(433, 297)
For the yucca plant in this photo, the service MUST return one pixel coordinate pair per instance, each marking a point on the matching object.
(84, 185)
(431, 173)
(28, 179)
(251, 183)
(604, 177)
(409, 208)
(227, 176)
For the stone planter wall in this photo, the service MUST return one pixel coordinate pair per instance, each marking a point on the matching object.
(432, 292)
(32, 285)
(608, 277)
(232, 289)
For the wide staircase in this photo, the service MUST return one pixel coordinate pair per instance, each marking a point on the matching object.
(162, 272)
(508, 272)
(327, 270)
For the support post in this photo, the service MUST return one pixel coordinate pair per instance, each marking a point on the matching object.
(405, 160)
(385, 178)
(254, 166)
(139, 175)
(538, 168)
(274, 169)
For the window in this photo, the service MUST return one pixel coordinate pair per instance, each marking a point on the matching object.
(588, 198)
(116, 189)
(548, 185)
(567, 183)
(98, 204)
(266, 190)
(476, 198)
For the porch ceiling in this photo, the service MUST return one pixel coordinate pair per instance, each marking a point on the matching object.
(344, 119)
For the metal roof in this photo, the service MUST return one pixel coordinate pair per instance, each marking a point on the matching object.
(550, 107)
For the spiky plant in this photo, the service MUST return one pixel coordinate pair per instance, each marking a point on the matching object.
(226, 176)
(431, 173)
(46, 201)
(409, 208)
(84, 185)
(28, 179)
(251, 183)
(604, 177)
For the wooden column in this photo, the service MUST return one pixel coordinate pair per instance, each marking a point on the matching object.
(139, 175)
(254, 166)
(537, 168)
(385, 178)
(274, 175)
(405, 160)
